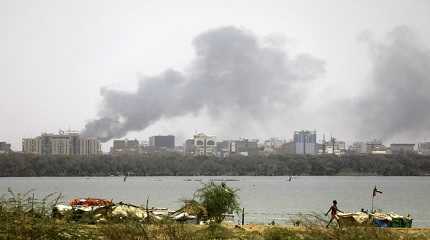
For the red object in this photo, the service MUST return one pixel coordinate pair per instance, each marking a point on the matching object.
(90, 202)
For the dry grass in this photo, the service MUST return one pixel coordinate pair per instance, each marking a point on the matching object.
(23, 217)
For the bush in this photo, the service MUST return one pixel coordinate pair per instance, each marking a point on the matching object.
(24, 217)
(218, 200)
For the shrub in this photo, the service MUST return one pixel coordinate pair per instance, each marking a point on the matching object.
(218, 199)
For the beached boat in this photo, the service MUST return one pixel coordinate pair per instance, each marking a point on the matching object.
(88, 202)
(377, 219)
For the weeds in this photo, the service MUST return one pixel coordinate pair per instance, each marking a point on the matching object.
(22, 216)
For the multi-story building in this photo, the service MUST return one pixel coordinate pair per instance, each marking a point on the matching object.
(273, 144)
(371, 147)
(244, 147)
(89, 146)
(189, 147)
(424, 148)
(204, 145)
(125, 147)
(162, 142)
(332, 147)
(4, 147)
(376, 147)
(223, 148)
(31, 145)
(288, 148)
(306, 142)
(63, 143)
(358, 148)
(397, 148)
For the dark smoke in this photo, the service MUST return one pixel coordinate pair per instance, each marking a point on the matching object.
(232, 72)
(397, 104)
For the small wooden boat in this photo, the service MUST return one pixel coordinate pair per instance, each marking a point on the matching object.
(89, 202)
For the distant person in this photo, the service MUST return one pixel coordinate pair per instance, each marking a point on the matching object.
(334, 210)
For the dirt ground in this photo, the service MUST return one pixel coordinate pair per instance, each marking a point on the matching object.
(261, 227)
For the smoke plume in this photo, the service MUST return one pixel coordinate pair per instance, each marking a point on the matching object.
(398, 99)
(233, 71)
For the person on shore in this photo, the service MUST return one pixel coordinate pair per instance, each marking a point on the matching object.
(334, 210)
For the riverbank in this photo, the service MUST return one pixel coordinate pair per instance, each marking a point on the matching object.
(262, 232)
(174, 231)
(25, 218)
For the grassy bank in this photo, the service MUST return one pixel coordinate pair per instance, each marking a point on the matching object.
(23, 217)
(37, 229)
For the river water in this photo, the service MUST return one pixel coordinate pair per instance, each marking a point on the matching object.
(264, 198)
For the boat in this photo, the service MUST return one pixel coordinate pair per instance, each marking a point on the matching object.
(377, 219)
(90, 202)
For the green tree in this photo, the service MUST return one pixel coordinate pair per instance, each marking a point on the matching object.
(218, 199)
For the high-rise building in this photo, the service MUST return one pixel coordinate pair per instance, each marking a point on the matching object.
(125, 147)
(4, 147)
(162, 142)
(204, 145)
(306, 142)
(63, 143)
(189, 147)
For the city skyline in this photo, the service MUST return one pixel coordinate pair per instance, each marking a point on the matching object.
(169, 141)
(202, 119)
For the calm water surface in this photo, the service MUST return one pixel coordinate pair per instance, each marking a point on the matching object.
(264, 198)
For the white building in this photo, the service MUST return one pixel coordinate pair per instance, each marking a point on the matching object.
(204, 145)
(63, 143)
(376, 147)
(336, 147)
(89, 146)
(31, 145)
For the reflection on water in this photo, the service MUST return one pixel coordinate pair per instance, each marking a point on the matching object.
(264, 198)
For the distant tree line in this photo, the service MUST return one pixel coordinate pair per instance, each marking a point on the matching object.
(18, 164)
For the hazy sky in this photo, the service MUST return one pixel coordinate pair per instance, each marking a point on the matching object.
(55, 56)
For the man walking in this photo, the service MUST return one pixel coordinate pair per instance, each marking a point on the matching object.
(333, 209)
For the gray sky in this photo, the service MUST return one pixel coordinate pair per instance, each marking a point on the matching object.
(56, 55)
